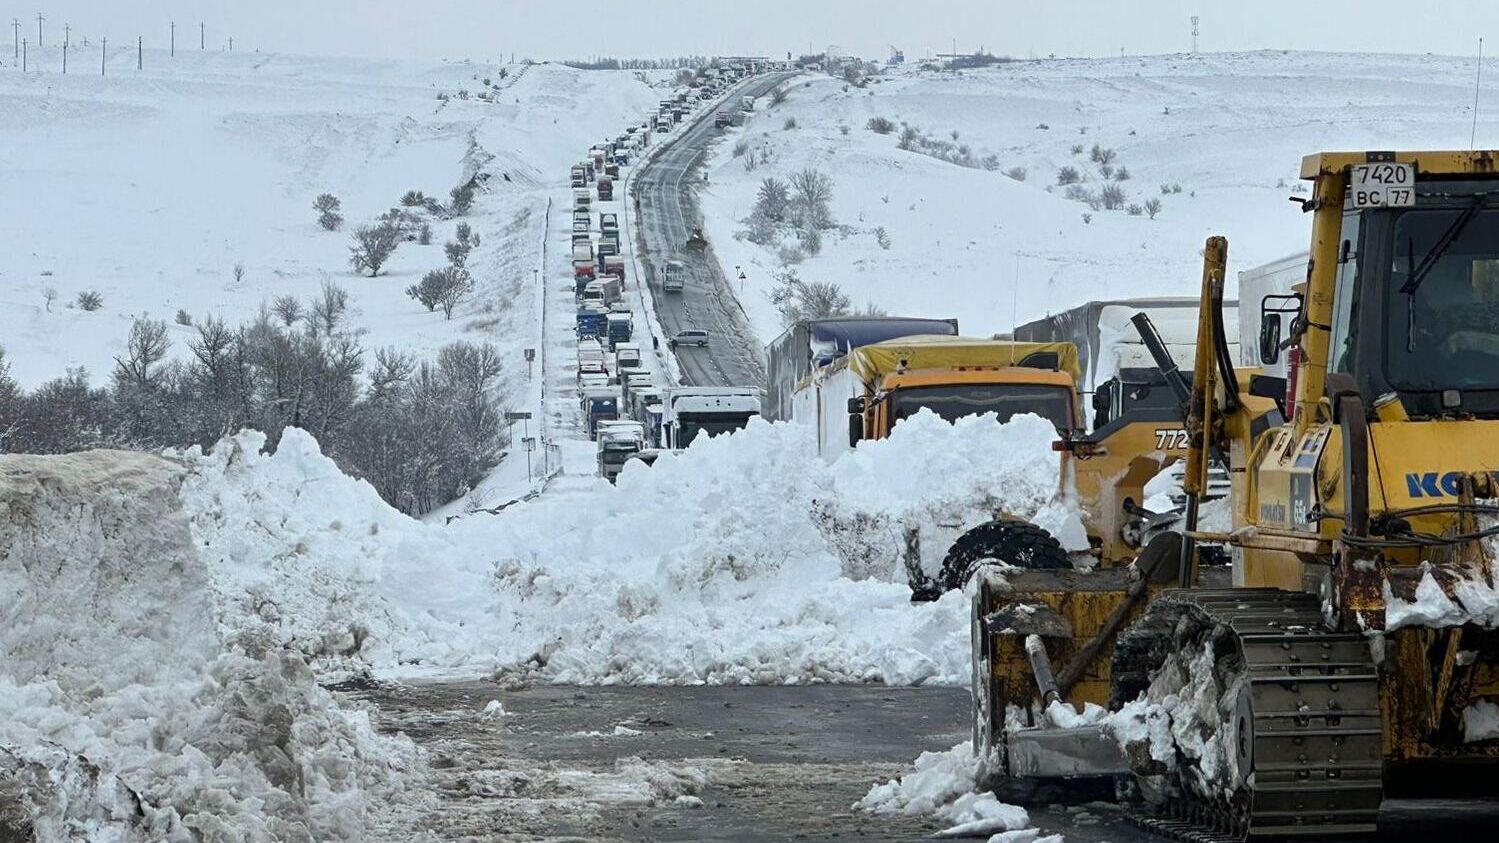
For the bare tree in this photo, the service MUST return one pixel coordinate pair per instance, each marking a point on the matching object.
(457, 250)
(462, 198)
(798, 300)
(327, 207)
(50, 296)
(773, 198)
(288, 309)
(146, 346)
(444, 288)
(373, 246)
(329, 307)
(239, 272)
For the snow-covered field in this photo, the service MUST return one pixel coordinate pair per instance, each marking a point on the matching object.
(150, 187)
(1230, 129)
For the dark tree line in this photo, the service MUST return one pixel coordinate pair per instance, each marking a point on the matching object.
(421, 432)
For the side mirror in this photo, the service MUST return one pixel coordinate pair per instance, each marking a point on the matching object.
(1269, 338)
(856, 406)
(855, 429)
(1271, 309)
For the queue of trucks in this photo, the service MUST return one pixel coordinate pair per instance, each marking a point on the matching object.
(628, 414)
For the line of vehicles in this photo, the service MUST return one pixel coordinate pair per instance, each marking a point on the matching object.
(1333, 643)
(624, 410)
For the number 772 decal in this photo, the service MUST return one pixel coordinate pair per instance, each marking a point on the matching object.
(1171, 438)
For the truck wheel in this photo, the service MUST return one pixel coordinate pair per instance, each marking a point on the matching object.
(1018, 543)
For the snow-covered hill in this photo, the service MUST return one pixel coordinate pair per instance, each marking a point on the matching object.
(150, 186)
(964, 241)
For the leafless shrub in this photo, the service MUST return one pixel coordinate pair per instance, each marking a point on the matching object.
(373, 246)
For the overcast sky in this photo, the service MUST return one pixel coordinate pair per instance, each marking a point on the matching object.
(647, 28)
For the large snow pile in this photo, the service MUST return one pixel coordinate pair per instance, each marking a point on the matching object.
(124, 717)
(721, 564)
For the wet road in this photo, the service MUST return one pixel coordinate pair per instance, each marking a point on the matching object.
(667, 213)
(730, 764)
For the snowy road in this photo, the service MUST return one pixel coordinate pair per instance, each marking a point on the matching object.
(729, 763)
(666, 213)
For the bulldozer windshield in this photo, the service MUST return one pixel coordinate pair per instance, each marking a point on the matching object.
(952, 402)
(1442, 301)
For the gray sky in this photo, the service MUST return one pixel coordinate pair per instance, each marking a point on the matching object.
(649, 28)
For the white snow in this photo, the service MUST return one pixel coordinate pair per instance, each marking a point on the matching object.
(729, 563)
(945, 785)
(1064, 715)
(1481, 721)
(126, 714)
(150, 185)
(1230, 128)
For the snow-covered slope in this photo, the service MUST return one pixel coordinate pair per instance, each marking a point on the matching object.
(1230, 129)
(150, 186)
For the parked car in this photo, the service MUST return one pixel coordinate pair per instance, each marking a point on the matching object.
(689, 336)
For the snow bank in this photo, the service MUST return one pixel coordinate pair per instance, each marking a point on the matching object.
(121, 714)
(745, 559)
(945, 785)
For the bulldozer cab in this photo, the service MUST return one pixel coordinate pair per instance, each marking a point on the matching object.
(1393, 389)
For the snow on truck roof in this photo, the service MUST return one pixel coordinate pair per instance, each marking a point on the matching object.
(930, 351)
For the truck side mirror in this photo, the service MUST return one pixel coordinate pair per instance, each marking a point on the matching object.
(856, 406)
(1271, 308)
(1269, 338)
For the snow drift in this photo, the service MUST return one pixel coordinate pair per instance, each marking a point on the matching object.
(122, 715)
(745, 559)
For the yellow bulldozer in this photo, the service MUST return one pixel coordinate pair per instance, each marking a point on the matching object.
(1348, 653)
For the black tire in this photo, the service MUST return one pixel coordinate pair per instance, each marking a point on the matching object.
(1018, 543)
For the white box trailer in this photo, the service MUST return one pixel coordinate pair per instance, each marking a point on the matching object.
(1109, 346)
(821, 401)
(1274, 279)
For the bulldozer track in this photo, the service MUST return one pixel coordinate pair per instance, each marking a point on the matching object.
(1306, 727)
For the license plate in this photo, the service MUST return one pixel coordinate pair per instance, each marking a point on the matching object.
(1382, 185)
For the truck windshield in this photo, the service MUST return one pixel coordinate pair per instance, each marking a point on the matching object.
(1442, 332)
(1006, 401)
(709, 424)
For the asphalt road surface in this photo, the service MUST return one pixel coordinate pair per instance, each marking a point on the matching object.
(758, 764)
(667, 213)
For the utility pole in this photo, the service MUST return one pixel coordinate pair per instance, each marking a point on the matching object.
(24, 42)
(1194, 35)
(174, 38)
(15, 34)
(39, 20)
(65, 56)
(103, 54)
(202, 28)
(231, 43)
(139, 51)
(67, 34)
